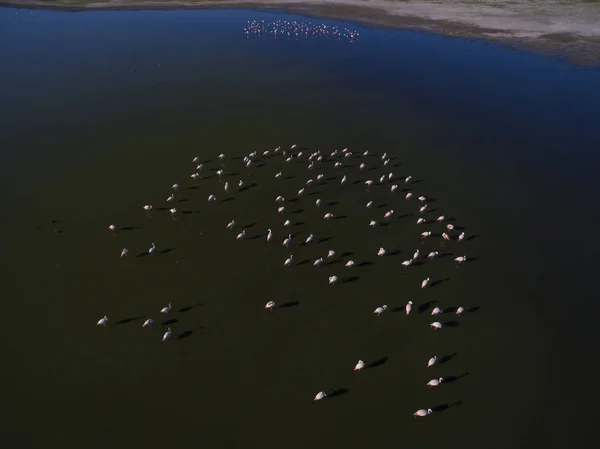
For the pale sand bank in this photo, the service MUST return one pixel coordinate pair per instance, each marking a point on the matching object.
(558, 27)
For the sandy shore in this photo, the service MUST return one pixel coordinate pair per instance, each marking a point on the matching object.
(556, 27)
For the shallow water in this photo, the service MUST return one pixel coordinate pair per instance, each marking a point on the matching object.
(103, 111)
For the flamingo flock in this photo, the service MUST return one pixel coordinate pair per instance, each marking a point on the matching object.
(317, 160)
(292, 29)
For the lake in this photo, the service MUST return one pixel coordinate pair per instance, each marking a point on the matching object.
(103, 111)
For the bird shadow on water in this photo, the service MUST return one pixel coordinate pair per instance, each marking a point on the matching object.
(450, 379)
(378, 362)
(189, 333)
(365, 263)
(290, 304)
(425, 306)
(128, 320)
(452, 323)
(439, 281)
(324, 239)
(350, 279)
(193, 306)
(444, 407)
(338, 392)
(303, 262)
(129, 228)
(447, 358)
(243, 189)
(166, 251)
(169, 322)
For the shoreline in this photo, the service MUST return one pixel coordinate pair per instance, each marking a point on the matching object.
(560, 28)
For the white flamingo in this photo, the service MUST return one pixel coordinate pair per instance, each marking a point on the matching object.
(287, 241)
(288, 261)
(349, 264)
(333, 279)
(328, 216)
(370, 204)
(394, 188)
(369, 182)
(320, 395)
(436, 311)
(211, 198)
(231, 225)
(344, 179)
(362, 166)
(269, 235)
(408, 196)
(407, 263)
(173, 211)
(280, 210)
(221, 156)
(287, 223)
(309, 239)
(148, 323)
(318, 202)
(320, 177)
(112, 228)
(166, 309)
(279, 175)
(460, 311)
(196, 160)
(171, 198)
(426, 234)
(435, 382)
(461, 236)
(425, 283)
(436, 325)
(241, 235)
(416, 254)
(432, 361)
(432, 255)
(102, 321)
(408, 307)
(359, 365)
(450, 226)
(152, 248)
(226, 187)
(167, 335)
(318, 262)
(461, 259)
(147, 207)
(420, 220)
(270, 305)
(372, 223)
(240, 184)
(379, 310)
(422, 199)
(195, 176)
(422, 412)
(175, 186)
(381, 252)
(300, 192)
(330, 254)
(423, 209)
(440, 218)
(219, 173)
(124, 252)
(408, 178)
(388, 214)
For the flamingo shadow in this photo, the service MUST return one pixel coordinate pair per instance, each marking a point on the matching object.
(129, 228)
(438, 282)
(425, 306)
(303, 262)
(324, 239)
(243, 189)
(447, 358)
(444, 407)
(189, 333)
(166, 251)
(169, 322)
(378, 362)
(350, 279)
(450, 379)
(188, 308)
(365, 263)
(290, 304)
(338, 392)
(226, 200)
(347, 254)
(128, 320)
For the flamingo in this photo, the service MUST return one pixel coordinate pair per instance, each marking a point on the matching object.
(365, 153)
(270, 305)
(147, 207)
(196, 160)
(381, 252)
(390, 176)
(394, 188)
(287, 223)
(112, 228)
(425, 283)
(388, 214)
(408, 196)
(407, 263)
(318, 262)
(124, 252)
(166, 309)
(422, 412)
(422, 199)
(436, 311)
(432, 255)
(445, 236)
(435, 382)
(460, 311)
(300, 192)
(211, 198)
(383, 156)
(240, 184)
(432, 361)
(440, 218)
(269, 235)
(319, 177)
(382, 179)
(320, 395)
(171, 198)
(167, 335)
(450, 227)
(318, 202)
(436, 325)
(408, 307)
(288, 261)
(328, 216)
(280, 210)
(287, 241)
(416, 254)
(420, 220)
(362, 166)
(309, 182)
(349, 264)
(241, 235)
(461, 259)
(369, 182)
(370, 204)
(309, 239)
(461, 236)
(372, 223)
(426, 234)
(231, 225)
(333, 279)
(279, 175)
(330, 254)
(226, 187)
(175, 186)
(152, 248)
(423, 209)
(199, 168)
(359, 365)
(337, 164)
(379, 310)
(344, 179)
(173, 210)
(148, 322)
(293, 146)
(408, 178)
(221, 156)
(387, 161)
(219, 173)
(195, 176)
(103, 321)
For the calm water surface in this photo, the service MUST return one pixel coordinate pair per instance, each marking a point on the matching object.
(101, 112)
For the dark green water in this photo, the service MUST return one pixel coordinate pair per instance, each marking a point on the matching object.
(102, 112)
